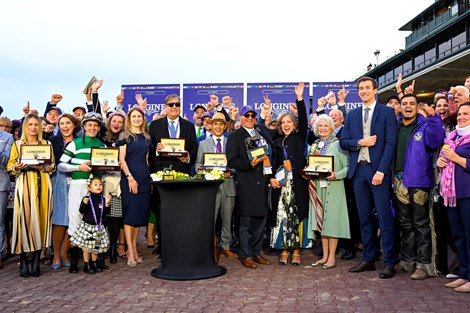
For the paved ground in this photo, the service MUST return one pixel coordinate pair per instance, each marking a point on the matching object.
(267, 289)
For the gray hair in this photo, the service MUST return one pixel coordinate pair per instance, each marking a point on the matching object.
(326, 118)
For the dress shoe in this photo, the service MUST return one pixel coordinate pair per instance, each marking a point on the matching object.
(465, 288)
(295, 259)
(456, 283)
(363, 267)
(328, 267)
(88, 268)
(283, 258)
(261, 260)
(388, 272)
(317, 263)
(419, 274)
(348, 255)
(229, 254)
(249, 263)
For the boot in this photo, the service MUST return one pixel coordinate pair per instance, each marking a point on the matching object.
(112, 254)
(88, 268)
(94, 266)
(73, 269)
(100, 262)
(24, 271)
(35, 272)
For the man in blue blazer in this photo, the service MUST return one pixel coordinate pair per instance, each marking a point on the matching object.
(370, 137)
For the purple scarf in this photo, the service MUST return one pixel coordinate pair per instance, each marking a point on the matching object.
(447, 190)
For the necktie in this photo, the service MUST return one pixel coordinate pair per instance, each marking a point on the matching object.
(366, 114)
(172, 129)
(218, 146)
(199, 131)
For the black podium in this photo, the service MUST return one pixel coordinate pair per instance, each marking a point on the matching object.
(187, 210)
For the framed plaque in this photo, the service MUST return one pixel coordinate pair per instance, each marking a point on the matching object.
(173, 147)
(105, 159)
(35, 154)
(216, 161)
(319, 166)
(256, 147)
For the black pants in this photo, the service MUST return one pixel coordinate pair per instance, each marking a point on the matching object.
(414, 227)
(251, 235)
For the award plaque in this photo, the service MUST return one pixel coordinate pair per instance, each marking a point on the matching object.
(35, 154)
(319, 166)
(105, 159)
(256, 147)
(173, 147)
(215, 161)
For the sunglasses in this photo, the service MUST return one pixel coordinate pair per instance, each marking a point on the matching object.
(172, 104)
(93, 114)
(250, 115)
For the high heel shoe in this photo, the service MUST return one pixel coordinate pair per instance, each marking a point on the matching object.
(283, 258)
(138, 256)
(130, 262)
(317, 263)
(295, 259)
(328, 267)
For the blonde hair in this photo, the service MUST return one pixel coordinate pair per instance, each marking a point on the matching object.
(24, 129)
(128, 126)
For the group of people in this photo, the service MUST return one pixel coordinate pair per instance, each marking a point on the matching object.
(394, 169)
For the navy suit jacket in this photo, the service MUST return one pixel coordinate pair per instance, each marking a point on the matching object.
(384, 125)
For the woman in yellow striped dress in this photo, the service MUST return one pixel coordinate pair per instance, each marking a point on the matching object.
(33, 199)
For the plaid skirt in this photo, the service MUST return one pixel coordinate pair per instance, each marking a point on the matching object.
(116, 207)
(86, 235)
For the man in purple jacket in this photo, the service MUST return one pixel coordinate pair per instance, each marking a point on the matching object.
(418, 138)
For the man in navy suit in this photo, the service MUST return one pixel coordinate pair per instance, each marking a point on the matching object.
(370, 137)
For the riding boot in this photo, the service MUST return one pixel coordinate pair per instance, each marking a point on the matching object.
(89, 268)
(112, 253)
(73, 269)
(35, 271)
(24, 271)
(100, 262)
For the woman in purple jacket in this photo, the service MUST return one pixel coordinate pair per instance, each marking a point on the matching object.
(454, 161)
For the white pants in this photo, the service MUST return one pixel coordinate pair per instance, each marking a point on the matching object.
(78, 190)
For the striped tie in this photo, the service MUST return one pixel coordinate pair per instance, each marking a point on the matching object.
(316, 204)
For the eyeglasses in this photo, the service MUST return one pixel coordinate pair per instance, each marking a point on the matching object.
(250, 115)
(93, 114)
(172, 104)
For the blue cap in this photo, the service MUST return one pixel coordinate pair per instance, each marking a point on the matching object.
(53, 108)
(247, 109)
(199, 105)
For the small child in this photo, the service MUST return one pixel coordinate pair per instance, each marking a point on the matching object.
(91, 235)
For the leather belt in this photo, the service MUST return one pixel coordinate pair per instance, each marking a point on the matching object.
(364, 162)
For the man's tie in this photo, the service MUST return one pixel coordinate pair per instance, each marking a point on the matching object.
(218, 146)
(199, 132)
(172, 129)
(366, 114)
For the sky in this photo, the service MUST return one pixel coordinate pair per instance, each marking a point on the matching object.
(57, 46)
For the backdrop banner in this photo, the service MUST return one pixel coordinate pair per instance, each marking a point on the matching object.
(280, 94)
(199, 94)
(155, 95)
(322, 89)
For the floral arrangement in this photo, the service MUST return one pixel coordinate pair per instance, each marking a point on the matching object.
(201, 175)
(169, 175)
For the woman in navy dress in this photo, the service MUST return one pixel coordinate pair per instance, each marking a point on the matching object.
(135, 181)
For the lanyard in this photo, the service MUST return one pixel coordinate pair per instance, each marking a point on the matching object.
(94, 214)
(284, 150)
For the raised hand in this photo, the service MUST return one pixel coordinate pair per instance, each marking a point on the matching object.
(105, 106)
(299, 90)
(233, 112)
(26, 108)
(55, 98)
(321, 102)
(96, 85)
(342, 94)
(410, 88)
(119, 99)
(142, 102)
(293, 107)
(399, 82)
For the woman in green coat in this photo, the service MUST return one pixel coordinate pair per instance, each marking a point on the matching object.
(328, 212)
